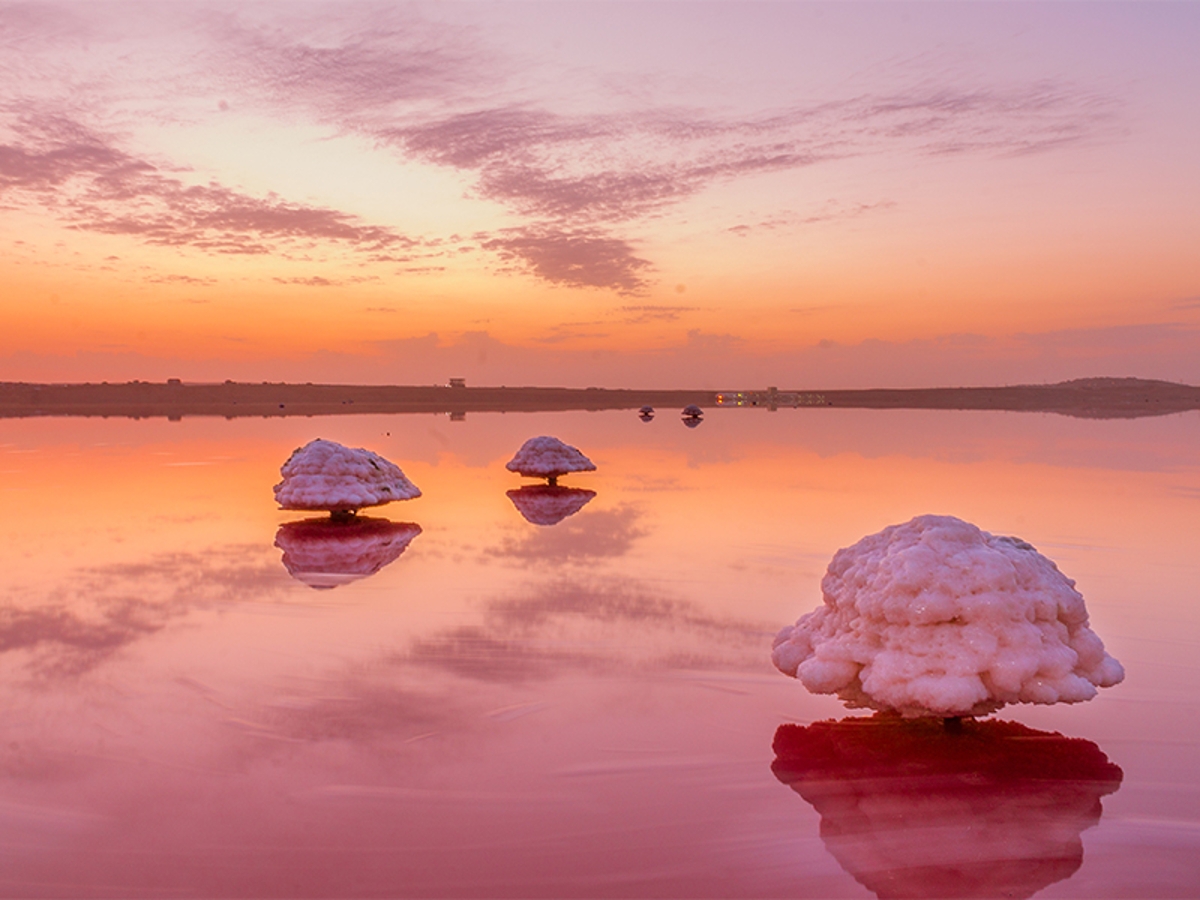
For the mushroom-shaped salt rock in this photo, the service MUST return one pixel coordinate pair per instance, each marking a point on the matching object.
(545, 504)
(548, 457)
(938, 618)
(692, 411)
(646, 413)
(325, 554)
(1007, 803)
(325, 475)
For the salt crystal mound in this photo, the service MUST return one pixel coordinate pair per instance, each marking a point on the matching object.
(997, 810)
(544, 504)
(548, 457)
(325, 475)
(938, 618)
(324, 554)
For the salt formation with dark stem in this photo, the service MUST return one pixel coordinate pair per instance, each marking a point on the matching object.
(548, 457)
(938, 618)
(324, 475)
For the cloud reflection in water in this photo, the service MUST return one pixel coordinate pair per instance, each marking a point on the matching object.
(913, 811)
(99, 611)
(562, 628)
(602, 534)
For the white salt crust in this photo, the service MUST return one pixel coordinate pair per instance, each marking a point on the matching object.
(936, 617)
(548, 457)
(325, 475)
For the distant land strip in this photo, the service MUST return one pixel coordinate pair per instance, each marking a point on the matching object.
(1088, 397)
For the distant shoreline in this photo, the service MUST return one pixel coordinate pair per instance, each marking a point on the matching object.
(1089, 398)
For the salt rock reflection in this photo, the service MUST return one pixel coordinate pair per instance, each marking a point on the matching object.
(325, 553)
(544, 504)
(911, 811)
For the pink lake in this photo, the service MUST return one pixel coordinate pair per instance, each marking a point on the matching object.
(466, 703)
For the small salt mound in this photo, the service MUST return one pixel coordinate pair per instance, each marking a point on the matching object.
(325, 475)
(936, 617)
(548, 457)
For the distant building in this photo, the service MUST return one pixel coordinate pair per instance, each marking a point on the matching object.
(458, 382)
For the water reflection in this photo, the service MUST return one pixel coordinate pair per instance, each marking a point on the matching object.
(98, 612)
(546, 504)
(327, 553)
(600, 625)
(913, 811)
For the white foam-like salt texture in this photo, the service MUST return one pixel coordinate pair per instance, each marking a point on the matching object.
(548, 457)
(936, 617)
(326, 475)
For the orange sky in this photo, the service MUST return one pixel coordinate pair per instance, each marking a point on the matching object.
(656, 195)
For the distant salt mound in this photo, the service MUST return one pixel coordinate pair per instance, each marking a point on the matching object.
(938, 618)
(325, 475)
(548, 457)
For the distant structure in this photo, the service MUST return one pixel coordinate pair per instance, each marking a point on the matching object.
(772, 398)
(458, 382)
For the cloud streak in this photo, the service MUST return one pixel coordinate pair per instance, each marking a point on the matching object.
(572, 258)
(578, 183)
(94, 186)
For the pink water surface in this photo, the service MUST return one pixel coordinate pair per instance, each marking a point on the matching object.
(586, 708)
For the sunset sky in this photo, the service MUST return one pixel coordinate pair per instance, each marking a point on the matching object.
(618, 193)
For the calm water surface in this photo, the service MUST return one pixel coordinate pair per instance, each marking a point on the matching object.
(202, 699)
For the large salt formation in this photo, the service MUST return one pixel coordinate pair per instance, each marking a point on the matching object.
(325, 475)
(548, 457)
(938, 618)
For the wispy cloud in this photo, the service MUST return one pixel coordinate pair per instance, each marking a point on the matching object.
(830, 211)
(440, 95)
(354, 68)
(640, 315)
(94, 186)
(573, 258)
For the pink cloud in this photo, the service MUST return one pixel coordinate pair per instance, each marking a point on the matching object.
(573, 258)
(94, 186)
